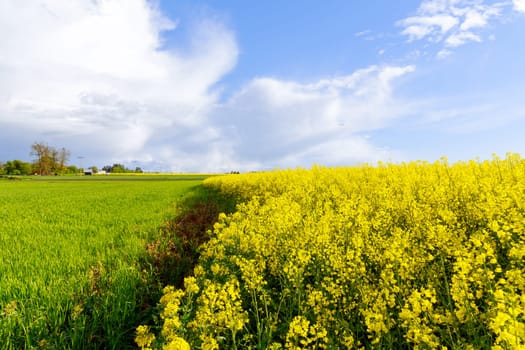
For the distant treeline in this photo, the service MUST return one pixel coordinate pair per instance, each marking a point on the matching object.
(117, 168)
(48, 160)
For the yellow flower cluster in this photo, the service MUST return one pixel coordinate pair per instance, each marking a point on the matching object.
(390, 256)
(144, 337)
(219, 309)
(302, 335)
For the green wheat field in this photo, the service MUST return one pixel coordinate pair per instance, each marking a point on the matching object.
(70, 257)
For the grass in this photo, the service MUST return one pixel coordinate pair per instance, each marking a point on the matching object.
(176, 249)
(111, 177)
(72, 259)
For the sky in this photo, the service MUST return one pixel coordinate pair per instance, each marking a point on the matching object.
(232, 85)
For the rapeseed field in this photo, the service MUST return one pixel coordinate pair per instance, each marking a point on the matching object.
(393, 256)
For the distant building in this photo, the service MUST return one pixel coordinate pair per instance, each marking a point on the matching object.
(88, 172)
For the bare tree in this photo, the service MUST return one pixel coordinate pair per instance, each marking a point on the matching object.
(62, 159)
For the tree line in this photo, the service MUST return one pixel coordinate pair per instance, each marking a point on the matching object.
(120, 168)
(48, 160)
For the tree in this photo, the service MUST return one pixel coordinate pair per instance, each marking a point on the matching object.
(72, 169)
(49, 160)
(107, 168)
(118, 168)
(44, 158)
(17, 167)
(63, 158)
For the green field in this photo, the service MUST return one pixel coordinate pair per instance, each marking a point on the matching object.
(70, 253)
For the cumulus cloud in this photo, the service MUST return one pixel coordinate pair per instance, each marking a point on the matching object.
(96, 75)
(282, 123)
(97, 78)
(451, 22)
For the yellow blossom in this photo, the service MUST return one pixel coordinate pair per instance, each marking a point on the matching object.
(144, 337)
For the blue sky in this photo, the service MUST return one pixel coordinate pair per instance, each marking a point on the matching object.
(217, 86)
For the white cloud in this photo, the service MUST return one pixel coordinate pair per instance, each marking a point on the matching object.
(474, 19)
(452, 22)
(283, 123)
(96, 78)
(443, 54)
(341, 151)
(424, 26)
(461, 38)
(519, 5)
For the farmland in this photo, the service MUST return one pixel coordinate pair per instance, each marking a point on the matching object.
(414, 255)
(70, 253)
